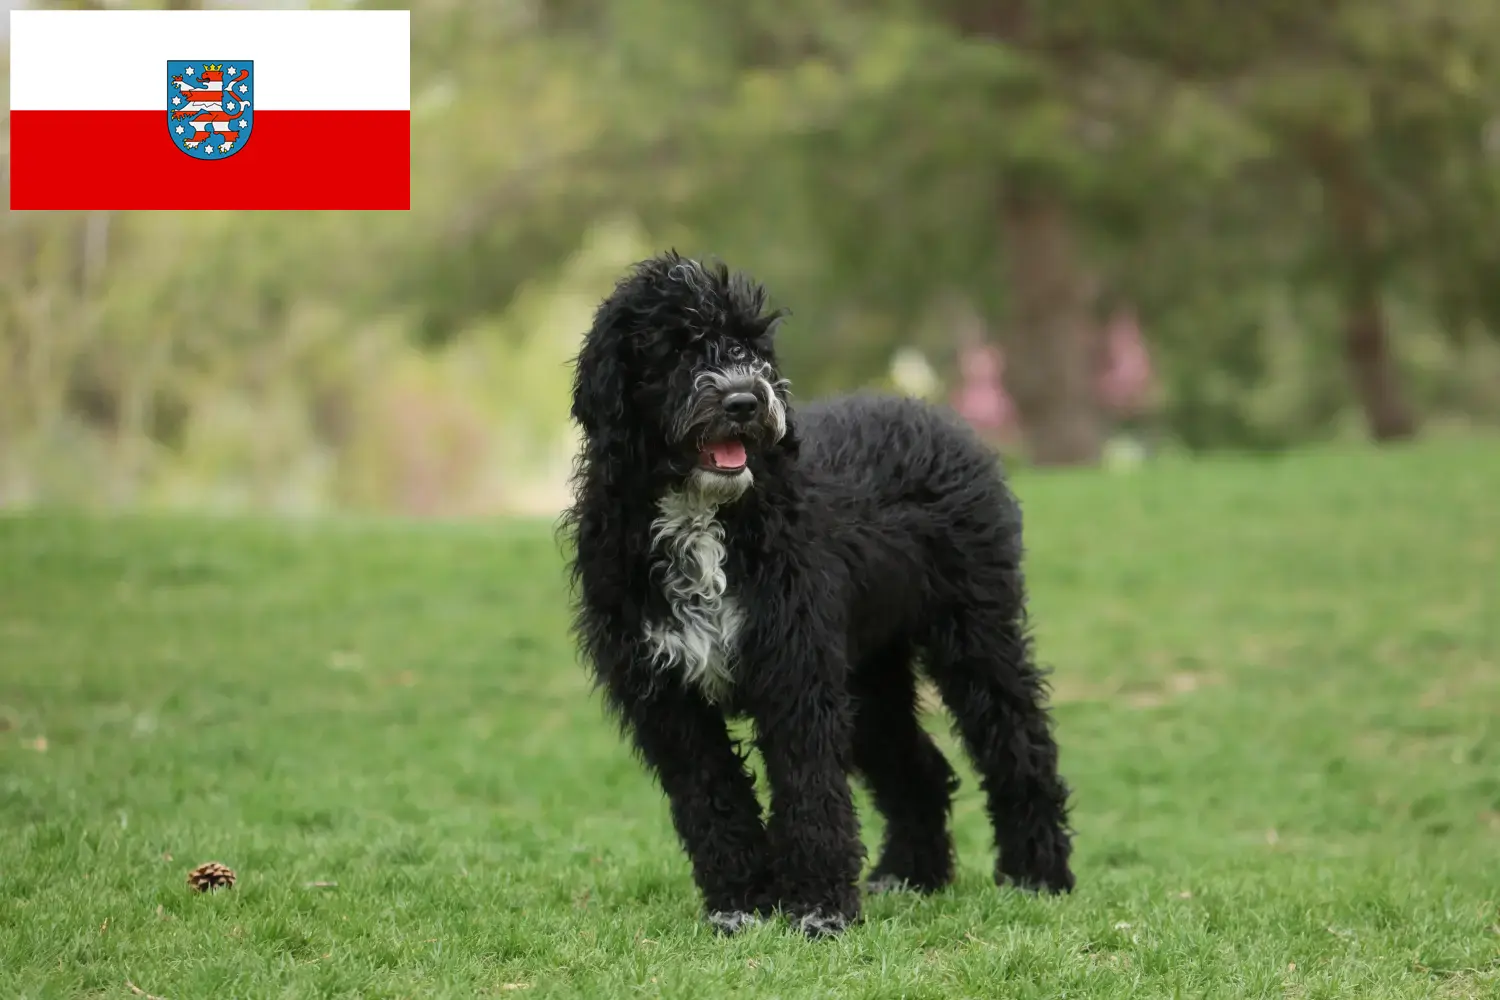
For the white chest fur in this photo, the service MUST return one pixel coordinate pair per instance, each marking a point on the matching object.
(700, 637)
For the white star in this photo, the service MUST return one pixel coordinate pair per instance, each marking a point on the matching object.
(176, 100)
(243, 123)
(225, 147)
(231, 71)
(189, 71)
(208, 149)
(229, 106)
(180, 130)
(244, 89)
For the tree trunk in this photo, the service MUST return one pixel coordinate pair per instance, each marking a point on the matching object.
(1052, 342)
(1367, 352)
(1372, 369)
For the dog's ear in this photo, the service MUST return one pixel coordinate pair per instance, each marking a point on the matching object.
(599, 388)
(614, 443)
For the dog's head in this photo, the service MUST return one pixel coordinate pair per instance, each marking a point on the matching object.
(679, 373)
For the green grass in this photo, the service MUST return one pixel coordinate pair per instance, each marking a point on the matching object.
(1278, 694)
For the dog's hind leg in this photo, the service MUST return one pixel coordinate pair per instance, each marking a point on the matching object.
(908, 775)
(981, 660)
(686, 743)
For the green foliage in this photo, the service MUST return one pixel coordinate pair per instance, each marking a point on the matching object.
(857, 158)
(1275, 696)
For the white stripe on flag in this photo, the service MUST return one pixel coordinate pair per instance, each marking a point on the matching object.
(116, 60)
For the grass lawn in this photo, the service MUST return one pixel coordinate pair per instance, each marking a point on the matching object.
(1278, 697)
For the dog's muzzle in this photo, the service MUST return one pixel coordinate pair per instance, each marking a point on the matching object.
(729, 412)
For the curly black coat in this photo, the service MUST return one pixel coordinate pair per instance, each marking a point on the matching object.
(735, 557)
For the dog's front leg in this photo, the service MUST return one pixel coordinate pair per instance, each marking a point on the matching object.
(804, 731)
(686, 743)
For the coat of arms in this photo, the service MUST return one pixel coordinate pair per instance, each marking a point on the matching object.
(209, 112)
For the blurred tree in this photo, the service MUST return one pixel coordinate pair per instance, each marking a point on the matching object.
(1383, 105)
(1298, 197)
(1052, 335)
(867, 159)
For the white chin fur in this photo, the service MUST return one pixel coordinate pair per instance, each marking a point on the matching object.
(713, 487)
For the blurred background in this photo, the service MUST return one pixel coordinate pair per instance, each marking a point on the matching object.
(1106, 231)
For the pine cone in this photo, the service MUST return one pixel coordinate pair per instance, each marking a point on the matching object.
(211, 876)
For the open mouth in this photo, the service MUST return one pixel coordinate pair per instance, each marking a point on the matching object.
(726, 456)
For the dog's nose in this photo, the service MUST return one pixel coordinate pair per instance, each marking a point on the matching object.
(741, 406)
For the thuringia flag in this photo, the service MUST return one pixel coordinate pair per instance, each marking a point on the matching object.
(264, 109)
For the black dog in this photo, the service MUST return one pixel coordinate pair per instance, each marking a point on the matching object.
(735, 557)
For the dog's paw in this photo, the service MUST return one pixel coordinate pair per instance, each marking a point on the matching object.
(818, 924)
(1036, 886)
(731, 922)
(879, 885)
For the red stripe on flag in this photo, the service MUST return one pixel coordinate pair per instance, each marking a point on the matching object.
(291, 160)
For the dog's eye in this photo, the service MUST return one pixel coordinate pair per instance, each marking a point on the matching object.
(737, 352)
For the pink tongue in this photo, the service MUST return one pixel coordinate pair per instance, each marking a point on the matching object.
(727, 454)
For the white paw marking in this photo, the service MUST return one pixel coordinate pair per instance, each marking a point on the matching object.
(732, 921)
(820, 924)
(885, 883)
